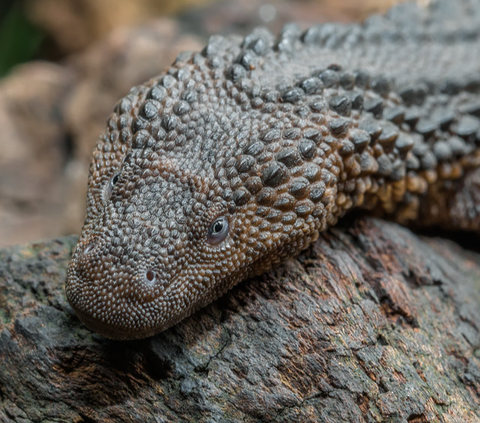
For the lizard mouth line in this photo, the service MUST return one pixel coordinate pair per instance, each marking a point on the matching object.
(112, 331)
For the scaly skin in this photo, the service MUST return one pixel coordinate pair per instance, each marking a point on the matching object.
(280, 138)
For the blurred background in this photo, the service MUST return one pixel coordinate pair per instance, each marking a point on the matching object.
(64, 64)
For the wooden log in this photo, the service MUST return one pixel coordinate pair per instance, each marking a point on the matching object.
(371, 324)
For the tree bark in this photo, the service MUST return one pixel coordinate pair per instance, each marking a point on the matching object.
(371, 324)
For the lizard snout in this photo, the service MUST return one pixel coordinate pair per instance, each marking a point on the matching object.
(113, 296)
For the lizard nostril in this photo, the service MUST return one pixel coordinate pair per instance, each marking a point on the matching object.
(150, 276)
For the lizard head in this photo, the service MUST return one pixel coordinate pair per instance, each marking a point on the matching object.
(162, 242)
(188, 194)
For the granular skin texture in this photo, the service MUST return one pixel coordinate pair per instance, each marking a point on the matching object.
(276, 138)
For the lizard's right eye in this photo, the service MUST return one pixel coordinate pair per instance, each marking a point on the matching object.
(110, 185)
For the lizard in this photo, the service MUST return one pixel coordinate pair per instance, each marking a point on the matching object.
(238, 156)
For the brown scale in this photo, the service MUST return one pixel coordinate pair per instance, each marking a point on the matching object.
(238, 157)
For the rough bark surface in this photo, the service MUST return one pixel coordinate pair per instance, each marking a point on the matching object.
(371, 324)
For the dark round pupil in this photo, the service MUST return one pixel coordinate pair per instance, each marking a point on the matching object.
(217, 227)
(114, 179)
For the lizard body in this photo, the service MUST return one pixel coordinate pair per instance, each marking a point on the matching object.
(237, 157)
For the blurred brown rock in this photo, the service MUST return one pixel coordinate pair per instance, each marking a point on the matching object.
(73, 25)
(34, 150)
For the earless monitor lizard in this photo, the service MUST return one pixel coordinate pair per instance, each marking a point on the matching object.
(238, 156)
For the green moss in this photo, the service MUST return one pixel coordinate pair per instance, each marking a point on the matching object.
(19, 39)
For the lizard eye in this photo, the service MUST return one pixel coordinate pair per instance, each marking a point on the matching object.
(218, 231)
(111, 184)
(115, 179)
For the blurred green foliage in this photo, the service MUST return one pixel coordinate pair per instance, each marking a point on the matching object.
(19, 40)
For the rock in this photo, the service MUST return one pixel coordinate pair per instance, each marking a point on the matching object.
(371, 324)
(77, 24)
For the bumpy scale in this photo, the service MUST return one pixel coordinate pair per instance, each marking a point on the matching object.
(237, 157)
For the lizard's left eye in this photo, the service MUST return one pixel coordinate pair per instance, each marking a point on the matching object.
(218, 231)
(110, 185)
(115, 178)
